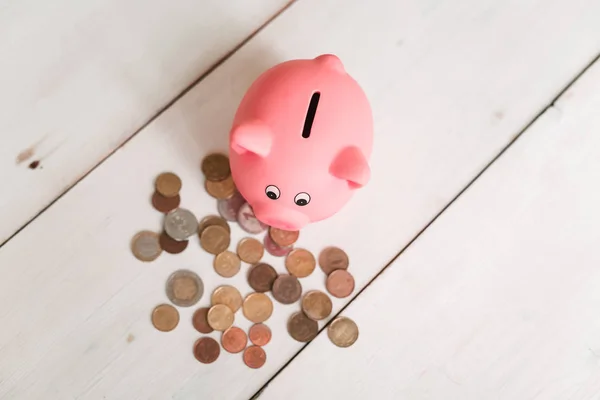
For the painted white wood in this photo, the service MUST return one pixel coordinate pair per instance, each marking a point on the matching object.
(450, 85)
(78, 78)
(499, 298)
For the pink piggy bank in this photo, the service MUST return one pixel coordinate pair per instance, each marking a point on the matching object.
(300, 142)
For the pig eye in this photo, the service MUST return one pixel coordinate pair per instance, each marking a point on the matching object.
(272, 192)
(302, 199)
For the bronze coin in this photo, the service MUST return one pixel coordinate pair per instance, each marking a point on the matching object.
(213, 220)
(283, 238)
(168, 184)
(220, 190)
(316, 305)
(250, 250)
(332, 258)
(302, 328)
(200, 322)
(300, 263)
(165, 317)
(215, 239)
(215, 167)
(220, 317)
(206, 350)
(227, 295)
(255, 356)
(259, 334)
(340, 283)
(257, 307)
(261, 277)
(227, 264)
(145, 246)
(234, 340)
(165, 204)
(342, 332)
(274, 249)
(170, 245)
(287, 289)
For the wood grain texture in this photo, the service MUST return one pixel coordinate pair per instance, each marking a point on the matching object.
(80, 77)
(499, 298)
(450, 85)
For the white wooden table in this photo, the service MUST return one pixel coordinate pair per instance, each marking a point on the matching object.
(474, 247)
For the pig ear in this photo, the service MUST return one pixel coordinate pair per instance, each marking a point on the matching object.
(351, 165)
(331, 61)
(254, 137)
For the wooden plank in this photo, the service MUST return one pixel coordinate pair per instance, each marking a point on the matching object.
(78, 78)
(450, 85)
(499, 298)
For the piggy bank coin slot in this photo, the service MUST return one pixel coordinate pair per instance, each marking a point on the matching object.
(310, 114)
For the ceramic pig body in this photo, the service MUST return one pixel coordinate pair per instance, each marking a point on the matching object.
(300, 142)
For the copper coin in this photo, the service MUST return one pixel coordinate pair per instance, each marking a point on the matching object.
(287, 289)
(248, 221)
(259, 334)
(255, 357)
(343, 332)
(274, 249)
(220, 317)
(206, 350)
(234, 340)
(168, 184)
(227, 295)
(230, 207)
(261, 277)
(250, 250)
(340, 283)
(215, 167)
(227, 264)
(300, 263)
(170, 245)
(200, 322)
(302, 328)
(184, 288)
(215, 239)
(221, 189)
(165, 317)
(316, 305)
(283, 238)
(165, 204)
(332, 258)
(145, 246)
(257, 307)
(212, 220)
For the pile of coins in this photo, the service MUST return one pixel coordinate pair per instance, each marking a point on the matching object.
(185, 288)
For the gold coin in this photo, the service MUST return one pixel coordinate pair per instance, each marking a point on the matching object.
(343, 332)
(145, 246)
(332, 258)
(227, 295)
(215, 167)
(215, 239)
(258, 307)
(220, 317)
(184, 288)
(227, 264)
(316, 305)
(220, 190)
(212, 220)
(250, 250)
(168, 184)
(300, 263)
(165, 317)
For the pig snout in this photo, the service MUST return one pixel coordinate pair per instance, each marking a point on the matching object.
(280, 217)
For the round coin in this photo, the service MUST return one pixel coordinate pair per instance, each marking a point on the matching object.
(165, 204)
(215, 167)
(227, 264)
(300, 263)
(340, 283)
(212, 220)
(259, 334)
(200, 322)
(215, 239)
(171, 246)
(283, 238)
(145, 246)
(227, 295)
(261, 277)
(220, 317)
(257, 307)
(255, 356)
(230, 207)
(168, 184)
(221, 189)
(274, 249)
(165, 317)
(343, 332)
(184, 288)
(206, 350)
(332, 258)
(234, 340)
(248, 220)
(180, 224)
(316, 305)
(302, 328)
(250, 250)
(287, 289)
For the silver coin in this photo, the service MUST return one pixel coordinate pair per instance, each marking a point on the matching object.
(248, 220)
(184, 288)
(229, 208)
(180, 224)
